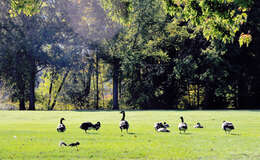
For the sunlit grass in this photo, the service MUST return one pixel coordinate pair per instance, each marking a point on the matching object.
(33, 135)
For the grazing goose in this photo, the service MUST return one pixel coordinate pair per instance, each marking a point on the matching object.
(227, 126)
(123, 123)
(89, 126)
(158, 125)
(198, 125)
(161, 127)
(76, 144)
(166, 125)
(163, 130)
(182, 126)
(61, 127)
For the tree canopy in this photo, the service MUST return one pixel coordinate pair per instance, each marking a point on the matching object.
(139, 54)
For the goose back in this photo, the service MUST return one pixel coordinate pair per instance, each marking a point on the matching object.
(227, 126)
(90, 126)
(198, 125)
(61, 127)
(182, 126)
(123, 124)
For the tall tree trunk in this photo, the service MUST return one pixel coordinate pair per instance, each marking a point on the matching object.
(102, 85)
(21, 90)
(50, 91)
(189, 97)
(94, 88)
(20, 78)
(59, 89)
(120, 86)
(198, 96)
(32, 87)
(88, 82)
(115, 87)
(52, 76)
(21, 104)
(97, 75)
(242, 93)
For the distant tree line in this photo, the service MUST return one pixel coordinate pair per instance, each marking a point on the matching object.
(155, 54)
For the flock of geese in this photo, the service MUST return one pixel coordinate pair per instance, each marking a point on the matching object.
(124, 125)
(159, 126)
(163, 127)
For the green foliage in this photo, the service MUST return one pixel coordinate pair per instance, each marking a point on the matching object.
(126, 12)
(217, 19)
(118, 10)
(27, 7)
(245, 39)
(42, 91)
(166, 53)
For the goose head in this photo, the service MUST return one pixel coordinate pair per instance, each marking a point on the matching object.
(97, 125)
(181, 119)
(61, 120)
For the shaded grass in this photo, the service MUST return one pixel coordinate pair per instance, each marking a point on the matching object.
(33, 135)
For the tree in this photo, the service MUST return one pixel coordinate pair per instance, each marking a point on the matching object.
(27, 7)
(216, 19)
(42, 40)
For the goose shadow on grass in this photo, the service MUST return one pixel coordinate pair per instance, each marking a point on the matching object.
(185, 133)
(235, 134)
(129, 133)
(91, 133)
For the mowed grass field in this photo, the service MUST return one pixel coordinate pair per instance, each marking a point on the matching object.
(32, 135)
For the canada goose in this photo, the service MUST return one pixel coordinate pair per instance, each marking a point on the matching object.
(182, 126)
(158, 125)
(88, 126)
(61, 127)
(123, 123)
(76, 144)
(163, 130)
(227, 126)
(161, 127)
(198, 125)
(166, 125)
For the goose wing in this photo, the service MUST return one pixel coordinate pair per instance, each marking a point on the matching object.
(86, 125)
(158, 125)
(227, 125)
(124, 124)
(183, 126)
(61, 128)
(166, 125)
(163, 130)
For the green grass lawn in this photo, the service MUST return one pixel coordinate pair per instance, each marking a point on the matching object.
(33, 135)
